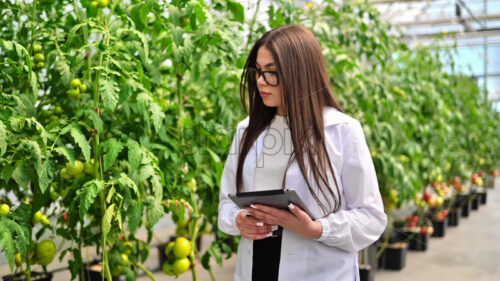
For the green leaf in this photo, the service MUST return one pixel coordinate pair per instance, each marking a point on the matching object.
(111, 192)
(157, 115)
(81, 141)
(200, 13)
(3, 139)
(7, 243)
(214, 251)
(205, 261)
(66, 152)
(87, 195)
(109, 93)
(63, 69)
(134, 213)
(106, 220)
(20, 176)
(126, 182)
(143, 39)
(154, 211)
(112, 148)
(135, 154)
(46, 175)
(237, 10)
(96, 119)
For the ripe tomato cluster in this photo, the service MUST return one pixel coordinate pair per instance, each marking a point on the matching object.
(177, 257)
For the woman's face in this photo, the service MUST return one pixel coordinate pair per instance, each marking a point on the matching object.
(271, 95)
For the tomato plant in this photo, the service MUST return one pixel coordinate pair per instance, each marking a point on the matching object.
(114, 113)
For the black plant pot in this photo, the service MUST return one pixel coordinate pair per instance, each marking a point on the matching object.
(482, 197)
(93, 272)
(463, 202)
(474, 201)
(161, 248)
(35, 276)
(439, 228)
(366, 273)
(394, 256)
(453, 217)
(418, 242)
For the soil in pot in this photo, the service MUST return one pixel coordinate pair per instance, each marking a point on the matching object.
(35, 276)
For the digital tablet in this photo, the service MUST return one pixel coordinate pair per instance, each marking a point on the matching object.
(278, 198)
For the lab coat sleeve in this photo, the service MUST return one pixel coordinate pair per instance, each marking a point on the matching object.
(363, 220)
(228, 211)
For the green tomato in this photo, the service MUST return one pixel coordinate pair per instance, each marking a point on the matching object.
(94, 5)
(192, 184)
(89, 166)
(127, 248)
(40, 65)
(182, 247)
(37, 48)
(18, 260)
(74, 93)
(181, 265)
(4, 209)
(83, 87)
(64, 174)
(38, 217)
(39, 57)
(54, 195)
(169, 249)
(45, 252)
(45, 220)
(75, 83)
(168, 269)
(116, 270)
(58, 109)
(103, 3)
(76, 170)
(125, 259)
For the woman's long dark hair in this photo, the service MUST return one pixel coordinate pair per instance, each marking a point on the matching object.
(306, 91)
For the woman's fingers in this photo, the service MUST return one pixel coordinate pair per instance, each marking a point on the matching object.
(250, 225)
(301, 215)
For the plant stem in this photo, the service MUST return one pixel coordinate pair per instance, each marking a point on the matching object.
(146, 271)
(194, 234)
(386, 240)
(180, 115)
(250, 29)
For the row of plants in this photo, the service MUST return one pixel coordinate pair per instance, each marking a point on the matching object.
(431, 218)
(115, 114)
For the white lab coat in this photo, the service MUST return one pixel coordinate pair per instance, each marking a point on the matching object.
(359, 223)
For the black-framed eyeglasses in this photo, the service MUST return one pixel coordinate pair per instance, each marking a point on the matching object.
(271, 77)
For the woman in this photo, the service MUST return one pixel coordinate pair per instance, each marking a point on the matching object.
(296, 136)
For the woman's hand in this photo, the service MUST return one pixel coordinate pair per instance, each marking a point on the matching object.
(252, 228)
(296, 220)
